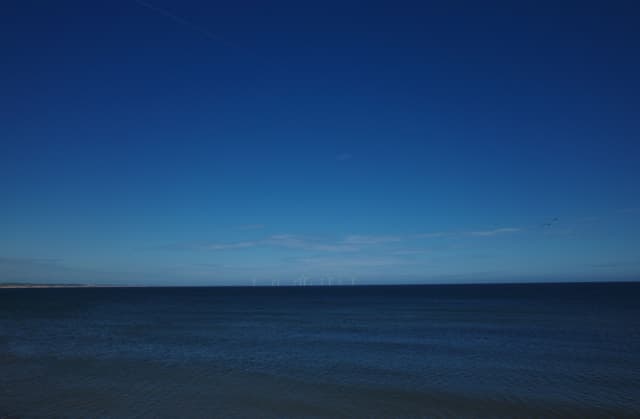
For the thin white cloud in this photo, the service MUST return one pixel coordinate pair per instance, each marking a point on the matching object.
(630, 210)
(433, 235)
(355, 239)
(411, 252)
(495, 232)
(289, 241)
(251, 227)
(477, 233)
(349, 243)
(233, 245)
(297, 242)
(334, 248)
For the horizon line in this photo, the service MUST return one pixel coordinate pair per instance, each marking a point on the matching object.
(14, 285)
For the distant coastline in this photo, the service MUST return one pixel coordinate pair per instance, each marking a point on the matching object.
(19, 285)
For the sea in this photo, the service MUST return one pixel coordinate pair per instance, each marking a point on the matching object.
(432, 351)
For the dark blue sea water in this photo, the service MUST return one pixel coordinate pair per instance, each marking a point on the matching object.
(552, 350)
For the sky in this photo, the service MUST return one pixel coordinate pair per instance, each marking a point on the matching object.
(165, 142)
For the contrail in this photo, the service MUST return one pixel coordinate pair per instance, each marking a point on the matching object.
(238, 49)
(182, 21)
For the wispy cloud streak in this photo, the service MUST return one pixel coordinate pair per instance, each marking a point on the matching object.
(296, 242)
(349, 243)
(355, 239)
(289, 241)
(233, 245)
(494, 232)
(251, 227)
(182, 21)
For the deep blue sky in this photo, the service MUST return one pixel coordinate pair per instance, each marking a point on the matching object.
(168, 142)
